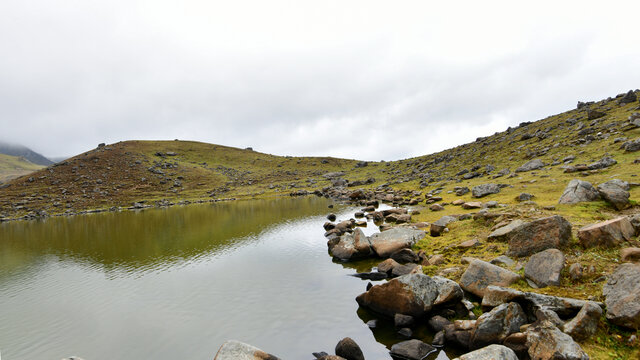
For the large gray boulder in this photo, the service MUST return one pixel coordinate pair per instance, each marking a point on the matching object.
(411, 350)
(387, 242)
(579, 191)
(526, 238)
(438, 226)
(412, 294)
(484, 190)
(544, 268)
(547, 342)
(610, 233)
(615, 192)
(494, 326)
(531, 165)
(584, 325)
(622, 292)
(351, 246)
(603, 163)
(491, 352)
(236, 350)
(481, 274)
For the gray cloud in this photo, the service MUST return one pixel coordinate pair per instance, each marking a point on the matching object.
(360, 80)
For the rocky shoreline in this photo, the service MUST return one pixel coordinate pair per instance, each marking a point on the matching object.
(481, 314)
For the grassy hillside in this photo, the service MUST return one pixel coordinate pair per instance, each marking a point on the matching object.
(12, 167)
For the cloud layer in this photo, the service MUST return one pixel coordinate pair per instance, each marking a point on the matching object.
(359, 79)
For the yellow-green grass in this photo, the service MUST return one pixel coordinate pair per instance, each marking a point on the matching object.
(13, 166)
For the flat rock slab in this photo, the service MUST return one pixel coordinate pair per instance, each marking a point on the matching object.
(236, 350)
(387, 242)
(491, 352)
(610, 233)
(579, 191)
(544, 268)
(497, 295)
(481, 274)
(622, 292)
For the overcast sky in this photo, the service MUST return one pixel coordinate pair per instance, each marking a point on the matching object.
(357, 79)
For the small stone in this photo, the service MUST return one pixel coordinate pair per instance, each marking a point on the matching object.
(630, 255)
(348, 349)
(411, 350)
(576, 271)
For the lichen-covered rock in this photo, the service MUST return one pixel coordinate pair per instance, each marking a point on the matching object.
(585, 324)
(531, 237)
(547, 342)
(615, 192)
(579, 191)
(610, 233)
(236, 350)
(413, 294)
(491, 352)
(531, 165)
(622, 292)
(481, 274)
(387, 242)
(544, 268)
(484, 190)
(494, 326)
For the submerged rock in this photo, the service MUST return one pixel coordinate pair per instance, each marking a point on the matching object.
(348, 349)
(411, 350)
(236, 350)
(491, 352)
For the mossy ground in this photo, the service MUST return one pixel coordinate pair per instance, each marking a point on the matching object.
(12, 167)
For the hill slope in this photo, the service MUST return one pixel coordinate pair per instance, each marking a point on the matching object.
(25, 152)
(12, 167)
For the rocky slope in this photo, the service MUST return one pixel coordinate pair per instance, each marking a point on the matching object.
(24, 152)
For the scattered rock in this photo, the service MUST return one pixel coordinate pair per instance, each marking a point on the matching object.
(576, 271)
(544, 268)
(585, 324)
(468, 244)
(497, 295)
(630, 254)
(484, 190)
(525, 197)
(472, 205)
(503, 260)
(404, 256)
(411, 350)
(579, 191)
(595, 114)
(387, 266)
(348, 349)
(403, 321)
(437, 259)
(628, 98)
(603, 163)
(493, 327)
(331, 217)
(608, 233)
(615, 192)
(531, 165)
(236, 350)
(546, 342)
(481, 274)
(436, 207)
(622, 292)
(440, 225)
(406, 269)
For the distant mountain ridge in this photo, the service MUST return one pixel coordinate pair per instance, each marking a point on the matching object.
(24, 152)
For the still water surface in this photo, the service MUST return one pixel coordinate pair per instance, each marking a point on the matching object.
(176, 283)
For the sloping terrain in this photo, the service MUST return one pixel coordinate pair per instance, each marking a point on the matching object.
(12, 167)
(24, 152)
